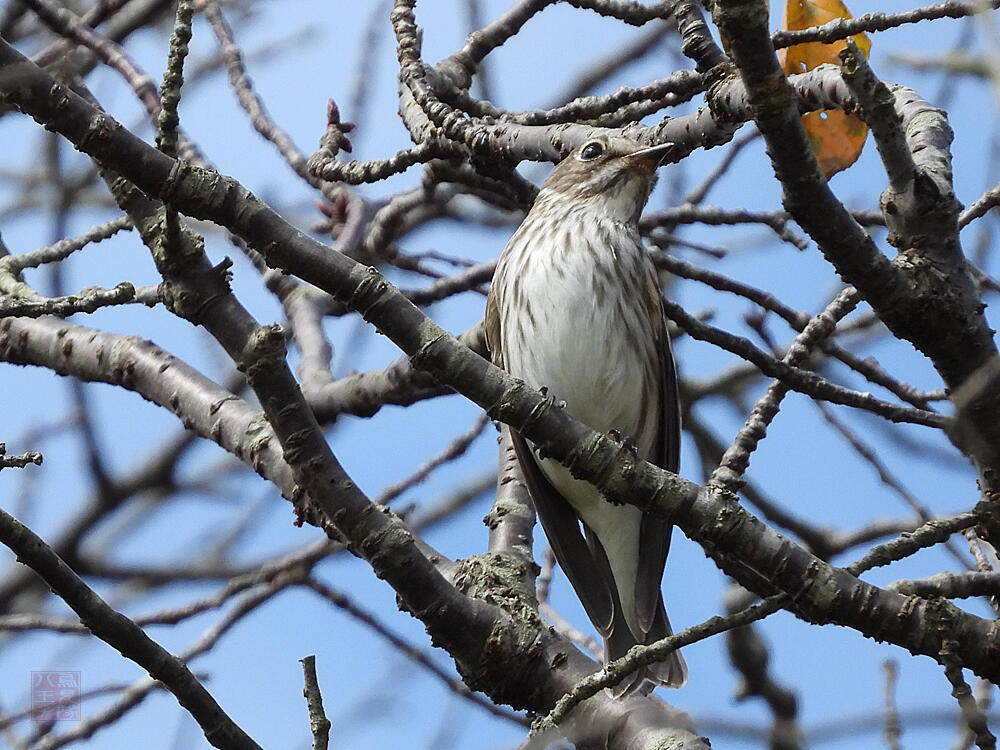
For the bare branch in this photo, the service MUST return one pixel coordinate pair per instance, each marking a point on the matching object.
(124, 635)
(20, 461)
(318, 722)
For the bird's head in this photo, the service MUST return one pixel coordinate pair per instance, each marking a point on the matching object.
(613, 176)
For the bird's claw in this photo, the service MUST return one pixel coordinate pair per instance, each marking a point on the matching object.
(550, 401)
(626, 441)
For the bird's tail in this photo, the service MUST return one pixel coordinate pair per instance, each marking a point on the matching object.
(672, 672)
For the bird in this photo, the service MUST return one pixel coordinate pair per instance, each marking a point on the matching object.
(574, 309)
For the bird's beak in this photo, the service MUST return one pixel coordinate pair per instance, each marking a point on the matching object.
(648, 159)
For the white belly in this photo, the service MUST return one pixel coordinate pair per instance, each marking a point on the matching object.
(599, 357)
(589, 346)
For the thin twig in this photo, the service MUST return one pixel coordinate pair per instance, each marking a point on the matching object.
(613, 672)
(19, 461)
(893, 728)
(318, 723)
(454, 450)
(458, 687)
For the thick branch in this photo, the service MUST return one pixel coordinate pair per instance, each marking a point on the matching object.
(140, 366)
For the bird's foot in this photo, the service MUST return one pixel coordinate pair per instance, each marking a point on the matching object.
(558, 403)
(550, 402)
(625, 441)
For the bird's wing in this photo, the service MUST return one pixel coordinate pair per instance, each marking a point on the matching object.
(591, 577)
(654, 532)
(491, 324)
(669, 453)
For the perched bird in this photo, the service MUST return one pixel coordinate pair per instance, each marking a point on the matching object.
(575, 307)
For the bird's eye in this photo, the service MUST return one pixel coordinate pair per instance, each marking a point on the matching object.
(591, 151)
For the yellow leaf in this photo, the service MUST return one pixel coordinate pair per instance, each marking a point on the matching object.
(837, 137)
